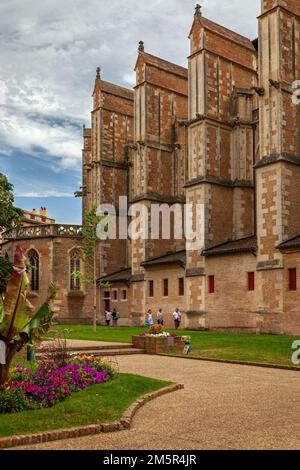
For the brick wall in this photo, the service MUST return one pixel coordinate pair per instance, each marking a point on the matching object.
(54, 267)
(232, 307)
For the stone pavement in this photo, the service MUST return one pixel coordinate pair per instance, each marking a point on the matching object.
(223, 406)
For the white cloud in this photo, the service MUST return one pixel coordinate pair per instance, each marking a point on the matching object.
(130, 78)
(36, 137)
(43, 194)
(49, 52)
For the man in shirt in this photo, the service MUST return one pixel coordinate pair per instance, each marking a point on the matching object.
(160, 317)
(177, 318)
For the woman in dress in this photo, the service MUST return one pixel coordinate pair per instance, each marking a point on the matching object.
(149, 318)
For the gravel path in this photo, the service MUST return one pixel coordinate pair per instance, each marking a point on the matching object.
(223, 406)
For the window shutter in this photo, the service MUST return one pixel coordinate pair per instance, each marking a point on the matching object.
(151, 289)
(293, 279)
(181, 286)
(166, 287)
(211, 284)
(251, 281)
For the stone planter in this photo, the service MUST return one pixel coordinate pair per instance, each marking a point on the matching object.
(159, 345)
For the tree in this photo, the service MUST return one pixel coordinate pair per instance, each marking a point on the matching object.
(10, 216)
(90, 255)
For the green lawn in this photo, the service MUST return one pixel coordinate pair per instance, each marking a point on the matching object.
(99, 403)
(232, 346)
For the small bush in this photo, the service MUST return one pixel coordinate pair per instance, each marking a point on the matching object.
(13, 401)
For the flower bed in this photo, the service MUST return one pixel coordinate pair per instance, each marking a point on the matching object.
(46, 384)
(156, 341)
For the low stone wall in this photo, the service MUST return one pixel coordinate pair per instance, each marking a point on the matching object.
(159, 345)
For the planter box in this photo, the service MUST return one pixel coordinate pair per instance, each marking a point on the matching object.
(159, 345)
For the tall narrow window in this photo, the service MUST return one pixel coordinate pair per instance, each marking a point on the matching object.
(75, 266)
(34, 270)
(124, 294)
(181, 286)
(211, 284)
(292, 279)
(251, 281)
(151, 289)
(166, 287)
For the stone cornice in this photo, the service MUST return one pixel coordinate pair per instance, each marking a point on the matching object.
(112, 164)
(217, 181)
(276, 7)
(194, 272)
(278, 157)
(158, 198)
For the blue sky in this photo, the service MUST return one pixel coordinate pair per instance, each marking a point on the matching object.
(33, 175)
(49, 52)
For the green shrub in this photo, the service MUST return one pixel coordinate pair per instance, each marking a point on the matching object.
(13, 401)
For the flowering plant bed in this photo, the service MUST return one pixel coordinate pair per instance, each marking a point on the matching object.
(156, 331)
(156, 340)
(46, 383)
(103, 403)
(159, 335)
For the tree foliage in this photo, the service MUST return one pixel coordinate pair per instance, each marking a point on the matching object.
(10, 216)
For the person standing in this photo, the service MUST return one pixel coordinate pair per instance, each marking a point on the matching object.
(160, 317)
(115, 317)
(177, 318)
(149, 318)
(107, 317)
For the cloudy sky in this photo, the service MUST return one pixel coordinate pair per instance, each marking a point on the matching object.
(49, 51)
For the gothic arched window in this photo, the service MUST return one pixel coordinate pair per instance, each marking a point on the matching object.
(75, 267)
(34, 270)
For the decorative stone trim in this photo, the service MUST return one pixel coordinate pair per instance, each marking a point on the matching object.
(195, 313)
(194, 272)
(158, 198)
(278, 157)
(60, 434)
(219, 182)
(112, 164)
(271, 264)
(137, 278)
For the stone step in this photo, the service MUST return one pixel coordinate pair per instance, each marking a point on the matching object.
(103, 352)
(90, 348)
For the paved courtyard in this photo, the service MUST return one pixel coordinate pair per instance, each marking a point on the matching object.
(222, 407)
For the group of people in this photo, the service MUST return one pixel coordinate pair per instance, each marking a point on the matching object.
(113, 316)
(160, 318)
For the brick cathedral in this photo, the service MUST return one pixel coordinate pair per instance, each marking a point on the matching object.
(223, 133)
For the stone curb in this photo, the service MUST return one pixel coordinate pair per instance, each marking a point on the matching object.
(241, 363)
(60, 434)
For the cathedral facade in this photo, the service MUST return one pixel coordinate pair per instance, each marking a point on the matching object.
(223, 134)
